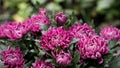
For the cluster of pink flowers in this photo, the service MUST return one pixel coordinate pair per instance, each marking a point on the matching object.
(90, 45)
(54, 38)
(93, 48)
(14, 30)
(110, 33)
(57, 41)
(43, 64)
(79, 31)
(12, 58)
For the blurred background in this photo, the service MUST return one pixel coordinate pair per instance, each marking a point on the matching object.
(101, 12)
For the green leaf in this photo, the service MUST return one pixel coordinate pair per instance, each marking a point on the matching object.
(76, 58)
(27, 65)
(71, 20)
(1, 65)
(107, 59)
(77, 66)
(115, 63)
(58, 1)
(112, 43)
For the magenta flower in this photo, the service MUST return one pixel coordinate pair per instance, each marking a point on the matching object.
(35, 28)
(119, 36)
(42, 64)
(79, 31)
(36, 22)
(63, 58)
(93, 48)
(12, 30)
(2, 34)
(61, 18)
(56, 37)
(109, 33)
(42, 11)
(12, 58)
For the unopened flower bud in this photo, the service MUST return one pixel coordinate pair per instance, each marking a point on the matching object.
(61, 18)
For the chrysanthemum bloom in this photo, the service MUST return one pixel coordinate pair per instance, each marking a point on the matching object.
(43, 64)
(2, 34)
(41, 19)
(79, 31)
(61, 18)
(36, 22)
(109, 33)
(63, 58)
(93, 48)
(12, 58)
(12, 30)
(54, 38)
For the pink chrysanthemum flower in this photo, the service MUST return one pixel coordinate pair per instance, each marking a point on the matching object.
(63, 58)
(109, 33)
(79, 31)
(36, 22)
(56, 37)
(2, 34)
(12, 58)
(40, 19)
(43, 64)
(93, 48)
(12, 30)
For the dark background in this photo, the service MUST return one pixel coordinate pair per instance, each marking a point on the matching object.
(101, 12)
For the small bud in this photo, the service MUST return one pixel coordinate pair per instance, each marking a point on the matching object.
(61, 18)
